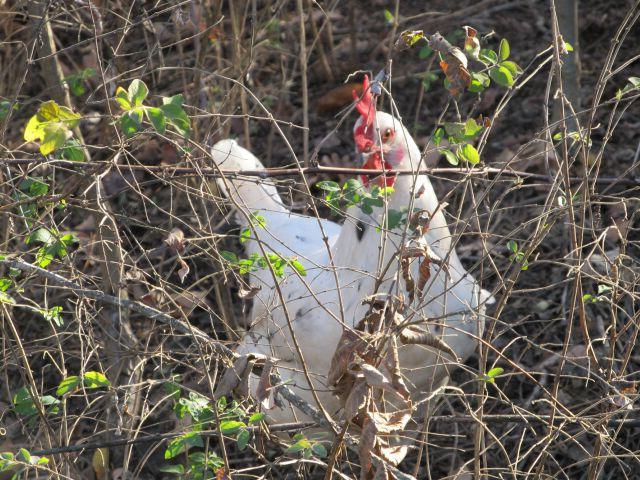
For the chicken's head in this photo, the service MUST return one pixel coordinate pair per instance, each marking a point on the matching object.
(379, 137)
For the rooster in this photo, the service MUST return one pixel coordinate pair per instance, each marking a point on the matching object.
(299, 320)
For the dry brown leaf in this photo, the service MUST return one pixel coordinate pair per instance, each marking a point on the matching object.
(375, 378)
(263, 392)
(100, 463)
(250, 292)
(350, 345)
(175, 240)
(184, 269)
(355, 401)
(413, 336)
(231, 377)
(338, 98)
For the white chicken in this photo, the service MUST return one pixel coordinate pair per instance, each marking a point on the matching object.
(307, 314)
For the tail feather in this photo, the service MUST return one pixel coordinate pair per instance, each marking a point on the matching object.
(250, 194)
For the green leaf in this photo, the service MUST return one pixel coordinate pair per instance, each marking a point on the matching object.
(245, 234)
(53, 137)
(513, 68)
(229, 256)
(301, 444)
(72, 151)
(469, 153)
(95, 380)
(512, 246)
(388, 16)
(6, 299)
(502, 76)
(231, 426)
(479, 81)
(53, 315)
(451, 157)
(26, 456)
(298, 267)
(328, 186)
(568, 46)
(174, 469)
(23, 403)
(256, 417)
(157, 118)
(35, 187)
(438, 136)
(180, 444)
(137, 92)
(123, 99)
(130, 122)
(488, 57)
(67, 385)
(5, 108)
(471, 129)
(5, 284)
(504, 50)
(243, 439)
(42, 235)
(494, 372)
(172, 389)
(411, 37)
(176, 116)
(320, 450)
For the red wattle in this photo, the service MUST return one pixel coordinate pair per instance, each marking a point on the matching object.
(374, 162)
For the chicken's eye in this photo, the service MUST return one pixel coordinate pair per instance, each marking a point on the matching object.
(388, 135)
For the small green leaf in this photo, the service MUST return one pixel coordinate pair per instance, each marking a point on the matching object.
(67, 385)
(512, 246)
(328, 186)
(256, 417)
(23, 403)
(137, 92)
(502, 76)
(495, 372)
(479, 82)
(231, 426)
(469, 153)
(298, 267)
(504, 50)
(513, 68)
(245, 234)
(157, 118)
(450, 157)
(72, 151)
(174, 469)
(123, 99)
(410, 37)
(488, 57)
(53, 315)
(42, 235)
(95, 380)
(301, 444)
(320, 450)
(388, 16)
(243, 439)
(180, 444)
(438, 136)
(129, 123)
(229, 256)
(568, 46)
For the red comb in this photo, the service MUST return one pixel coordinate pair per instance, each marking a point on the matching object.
(366, 103)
